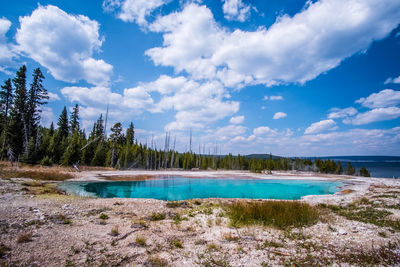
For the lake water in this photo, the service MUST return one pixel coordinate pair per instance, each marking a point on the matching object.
(181, 188)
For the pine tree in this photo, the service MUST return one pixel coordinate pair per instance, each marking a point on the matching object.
(74, 121)
(72, 154)
(63, 124)
(37, 96)
(130, 134)
(17, 131)
(364, 172)
(6, 98)
(6, 101)
(350, 170)
(339, 168)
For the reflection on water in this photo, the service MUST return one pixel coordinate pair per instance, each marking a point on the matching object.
(180, 188)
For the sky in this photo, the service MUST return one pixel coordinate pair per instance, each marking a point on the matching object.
(287, 77)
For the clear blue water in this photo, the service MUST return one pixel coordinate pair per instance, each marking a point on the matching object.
(181, 188)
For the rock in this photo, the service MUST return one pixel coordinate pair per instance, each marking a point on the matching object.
(342, 232)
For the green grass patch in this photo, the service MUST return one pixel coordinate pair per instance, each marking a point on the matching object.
(104, 216)
(157, 216)
(176, 243)
(279, 214)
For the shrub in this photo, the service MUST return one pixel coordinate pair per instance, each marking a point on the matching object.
(280, 214)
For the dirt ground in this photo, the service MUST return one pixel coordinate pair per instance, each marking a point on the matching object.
(41, 226)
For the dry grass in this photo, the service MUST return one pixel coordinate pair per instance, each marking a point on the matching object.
(24, 238)
(279, 214)
(41, 174)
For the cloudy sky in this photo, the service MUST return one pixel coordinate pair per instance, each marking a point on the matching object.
(291, 77)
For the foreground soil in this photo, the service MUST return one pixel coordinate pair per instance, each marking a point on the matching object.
(39, 225)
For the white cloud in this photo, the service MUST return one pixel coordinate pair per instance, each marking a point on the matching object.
(336, 113)
(47, 117)
(384, 98)
(293, 49)
(374, 115)
(53, 97)
(279, 115)
(273, 97)
(235, 10)
(227, 132)
(6, 52)
(64, 44)
(321, 126)
(264, 130)
(134, 10)
(392, 80)
(237, 120)
(197, 105)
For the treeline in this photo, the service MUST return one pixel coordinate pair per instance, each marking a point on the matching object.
(23, 139)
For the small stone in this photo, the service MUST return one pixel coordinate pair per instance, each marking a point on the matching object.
(342, 232)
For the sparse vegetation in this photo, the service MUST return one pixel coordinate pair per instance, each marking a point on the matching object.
(155, 261)
(104, 216)
(158, 216)
(141, 241)
(279, 214)
(176, 243)
(44, 175)
(115, 230)
(24, 238)
(364, 211)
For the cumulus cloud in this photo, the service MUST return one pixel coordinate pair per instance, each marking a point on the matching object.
(293, 50)
(133, 10)
(321, 126)
(197, 105)
(64, 44)
(236, 10)
(237, 120)
(264, 130)
(337, 113)
(279, 115)
(374, 115)
(6, 52)
(384, 98)
(53, 97)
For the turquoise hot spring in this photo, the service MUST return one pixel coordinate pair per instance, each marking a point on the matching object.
(183, 188)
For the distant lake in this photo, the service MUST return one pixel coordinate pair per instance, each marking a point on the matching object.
(378, 166)
(181, 188)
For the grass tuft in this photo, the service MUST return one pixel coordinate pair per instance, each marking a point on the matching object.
(158, 216)
(24, 238)
(104, 216)
(176, 243)
(115, 231)
(141, 241)
(279, 214)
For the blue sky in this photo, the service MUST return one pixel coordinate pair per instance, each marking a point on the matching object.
(294, 78)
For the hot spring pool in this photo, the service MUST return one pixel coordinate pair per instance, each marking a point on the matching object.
(182, 188)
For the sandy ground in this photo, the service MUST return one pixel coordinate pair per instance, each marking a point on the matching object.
(45, 228)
